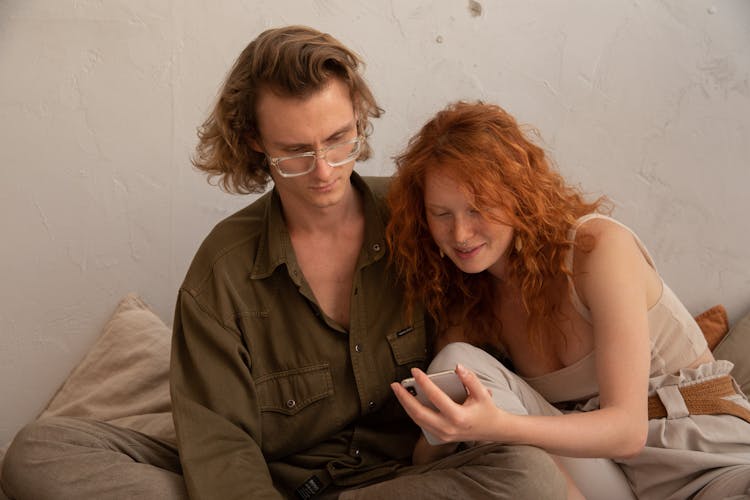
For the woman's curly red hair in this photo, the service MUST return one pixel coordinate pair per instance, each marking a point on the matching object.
(484, 150)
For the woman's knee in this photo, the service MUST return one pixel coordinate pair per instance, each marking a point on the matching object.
(454, 353)
(503, 384)
(479, 361)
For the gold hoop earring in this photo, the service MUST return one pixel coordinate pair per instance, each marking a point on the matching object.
(518, 244)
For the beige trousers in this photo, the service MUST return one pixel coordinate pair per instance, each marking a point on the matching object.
(481, 472)
(72, 458)
(69, 458)
(692, 456)
(686, 456)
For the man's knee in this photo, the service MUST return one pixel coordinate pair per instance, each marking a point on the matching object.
(65, 457)
(18, 460)
(34, 449)
(526, 472)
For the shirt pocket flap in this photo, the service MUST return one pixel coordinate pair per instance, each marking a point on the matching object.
(408, 345)
(289, 392)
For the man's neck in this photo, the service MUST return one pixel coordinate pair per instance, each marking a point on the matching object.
(327, 242)
(324, 220)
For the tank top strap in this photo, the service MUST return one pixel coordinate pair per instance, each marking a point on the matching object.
(574, 298)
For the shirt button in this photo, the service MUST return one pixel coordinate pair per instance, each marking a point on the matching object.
(356, 452)
(358, 348)
(371, 404)
(376, 247)
(291, 403)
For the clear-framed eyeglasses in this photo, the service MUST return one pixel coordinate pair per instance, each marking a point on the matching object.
(336, 155)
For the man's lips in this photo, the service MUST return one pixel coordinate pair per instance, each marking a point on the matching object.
(324, 187)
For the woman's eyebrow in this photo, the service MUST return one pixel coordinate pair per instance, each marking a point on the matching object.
(433, 206)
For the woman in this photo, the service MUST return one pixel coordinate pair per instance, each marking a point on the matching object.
(509, 258)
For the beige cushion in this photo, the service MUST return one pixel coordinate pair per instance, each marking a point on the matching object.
(735, 347)
(124, 378)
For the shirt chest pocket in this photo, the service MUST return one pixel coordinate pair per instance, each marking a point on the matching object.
(291, 391)
(409, 348)
(292, 403)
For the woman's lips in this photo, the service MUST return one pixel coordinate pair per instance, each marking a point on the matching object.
(467, 254)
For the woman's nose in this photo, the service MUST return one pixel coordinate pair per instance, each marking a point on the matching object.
(462, 230)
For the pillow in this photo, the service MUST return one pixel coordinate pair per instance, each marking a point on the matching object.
(735, 347)
(714, 324)
(124, 378)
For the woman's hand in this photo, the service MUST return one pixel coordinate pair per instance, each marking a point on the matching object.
(474, 420)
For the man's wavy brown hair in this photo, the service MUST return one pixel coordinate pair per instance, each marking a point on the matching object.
(485, 151)
(294, 61)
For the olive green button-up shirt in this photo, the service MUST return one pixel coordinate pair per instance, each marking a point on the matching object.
(271, 398)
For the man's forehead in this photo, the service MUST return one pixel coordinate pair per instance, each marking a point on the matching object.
(294, 120)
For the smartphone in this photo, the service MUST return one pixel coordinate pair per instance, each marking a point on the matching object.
(448, 381)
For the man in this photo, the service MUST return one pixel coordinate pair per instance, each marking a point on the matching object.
(289, 326)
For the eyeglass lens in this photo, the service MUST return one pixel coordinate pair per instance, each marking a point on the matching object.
(336, 155)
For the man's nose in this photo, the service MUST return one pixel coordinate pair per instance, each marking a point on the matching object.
(322, 168)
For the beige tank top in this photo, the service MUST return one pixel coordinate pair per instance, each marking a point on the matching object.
(676, 339)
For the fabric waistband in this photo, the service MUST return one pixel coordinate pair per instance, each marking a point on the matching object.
(700, 398)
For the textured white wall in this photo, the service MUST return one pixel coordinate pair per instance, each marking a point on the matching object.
(647, 101)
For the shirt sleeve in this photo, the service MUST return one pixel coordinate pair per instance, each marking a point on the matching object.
(215, 409)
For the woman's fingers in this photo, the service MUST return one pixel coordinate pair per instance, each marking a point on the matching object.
(434, 394)
(425, 417)
(449, 421)
(472, 383)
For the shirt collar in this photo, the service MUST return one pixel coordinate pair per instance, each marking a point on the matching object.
(275, 245)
